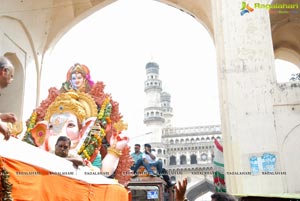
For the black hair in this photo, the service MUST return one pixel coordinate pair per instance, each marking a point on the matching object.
(137, 145)
(219, 196)
(147, 145)
(63, 138)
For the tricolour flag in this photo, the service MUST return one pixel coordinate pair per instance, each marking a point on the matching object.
(218, 166)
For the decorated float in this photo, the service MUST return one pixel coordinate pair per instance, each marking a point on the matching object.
(81, 111)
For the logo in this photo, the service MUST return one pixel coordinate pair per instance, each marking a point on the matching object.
(245, 8)
(280, 8)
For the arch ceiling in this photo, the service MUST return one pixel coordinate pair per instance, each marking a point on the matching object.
(285, 33)
(56, 17)
(68, 13)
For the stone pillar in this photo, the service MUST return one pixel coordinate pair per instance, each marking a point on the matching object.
(188, 158)
(246, 83)
(177, 158)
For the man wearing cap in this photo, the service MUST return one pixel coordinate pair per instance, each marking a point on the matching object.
(7, 72)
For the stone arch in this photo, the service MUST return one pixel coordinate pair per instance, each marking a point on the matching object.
(285, 36)
(200, 189)
(201, 11)
(288, 54)
(285, 30)
(290, 146)
(19, 54)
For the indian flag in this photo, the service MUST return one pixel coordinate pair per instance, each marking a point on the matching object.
(218, 165)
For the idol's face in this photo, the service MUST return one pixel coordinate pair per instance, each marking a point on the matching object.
(64, 124)
(77, 80)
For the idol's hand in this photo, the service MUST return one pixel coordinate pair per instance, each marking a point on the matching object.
(118, 141)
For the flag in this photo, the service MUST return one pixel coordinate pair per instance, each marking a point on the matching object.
(218, 167)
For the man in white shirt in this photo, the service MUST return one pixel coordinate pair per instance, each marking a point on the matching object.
(7, 71)
(150, 160)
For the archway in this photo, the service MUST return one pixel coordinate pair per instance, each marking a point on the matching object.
(200, 189)
(124, 70)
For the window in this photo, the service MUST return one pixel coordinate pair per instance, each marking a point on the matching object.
(159, 151)
(203, 157)
(193, 159)
(172, 160)
(182, 160)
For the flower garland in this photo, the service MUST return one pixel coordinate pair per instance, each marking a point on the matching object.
(93, 142)
(105, 111)
(6, 186)
(31, 123)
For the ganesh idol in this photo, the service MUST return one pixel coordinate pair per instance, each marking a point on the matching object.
(81, 111)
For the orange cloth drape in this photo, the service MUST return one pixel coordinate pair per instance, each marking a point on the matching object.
(36, 184)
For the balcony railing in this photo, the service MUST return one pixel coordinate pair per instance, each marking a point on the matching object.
(213, 129)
